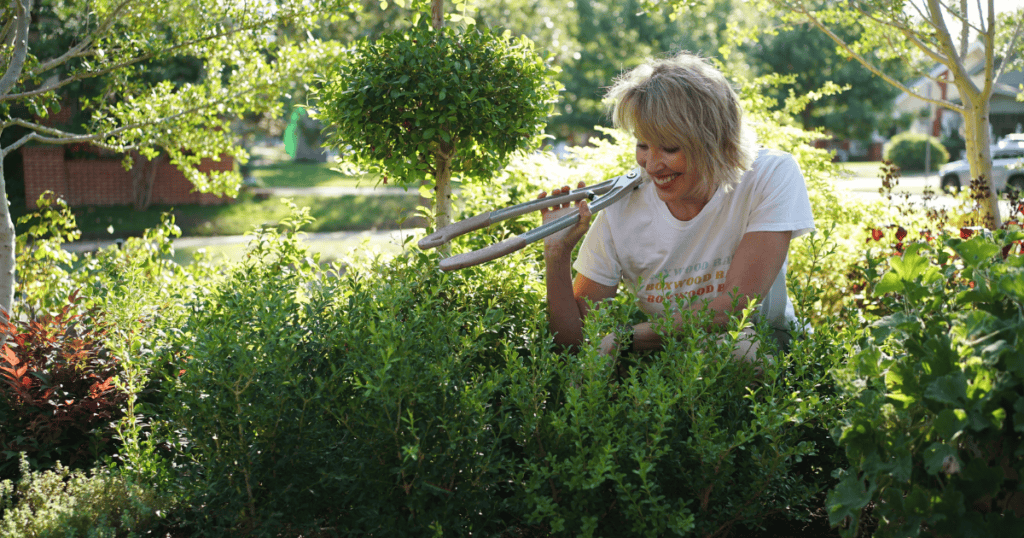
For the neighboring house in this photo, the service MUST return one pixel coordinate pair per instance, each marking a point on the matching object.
(83, 175)
(1006, 112)
(103, 181)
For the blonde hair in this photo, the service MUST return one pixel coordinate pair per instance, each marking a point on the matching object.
(683, 102)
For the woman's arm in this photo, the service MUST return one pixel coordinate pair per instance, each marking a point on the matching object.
(568, 299)
(756, 263)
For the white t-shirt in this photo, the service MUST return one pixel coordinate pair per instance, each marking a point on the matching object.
(637, 240)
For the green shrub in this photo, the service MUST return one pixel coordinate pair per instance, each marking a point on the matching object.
(60, 503)
(908, 150)
(398, 400)
(934, 431)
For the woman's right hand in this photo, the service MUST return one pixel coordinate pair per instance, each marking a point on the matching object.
(563, 241)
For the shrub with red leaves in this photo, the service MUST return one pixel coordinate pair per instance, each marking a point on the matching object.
(57, 397)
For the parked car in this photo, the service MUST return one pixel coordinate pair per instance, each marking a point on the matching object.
(1007, 170)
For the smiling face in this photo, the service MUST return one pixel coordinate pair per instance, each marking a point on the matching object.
(675, 181)
(684, 102)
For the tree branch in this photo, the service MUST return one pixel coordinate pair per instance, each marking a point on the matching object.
(75, 51)
(58, 136)
(873, 68)
(1008, 51)
(956, 62)
(909, 33)
(20, 52)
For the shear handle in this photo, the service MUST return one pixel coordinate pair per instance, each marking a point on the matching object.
(621, 186)
(510, 245)
(484, 220)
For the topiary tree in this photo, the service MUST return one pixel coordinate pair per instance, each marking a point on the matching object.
(434, 101)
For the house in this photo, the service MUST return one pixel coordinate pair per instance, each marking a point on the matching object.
(101, 180)
(1006, 115)
(83, 175)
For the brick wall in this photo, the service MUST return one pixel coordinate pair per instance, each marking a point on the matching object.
(84, 182)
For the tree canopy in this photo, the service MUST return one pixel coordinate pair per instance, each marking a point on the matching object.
(149, 78)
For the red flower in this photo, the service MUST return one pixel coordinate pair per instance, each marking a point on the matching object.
(876, 234)
(966, 233)
(901, 232)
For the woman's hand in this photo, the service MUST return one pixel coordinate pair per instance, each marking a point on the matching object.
(563, 241)
(609, 345)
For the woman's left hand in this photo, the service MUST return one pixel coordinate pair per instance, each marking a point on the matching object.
(609, 345)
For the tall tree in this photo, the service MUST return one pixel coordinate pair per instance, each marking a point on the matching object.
(110, 44)
(939, 31)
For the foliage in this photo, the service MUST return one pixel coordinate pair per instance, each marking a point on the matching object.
(396, 101)
(58, 400)
(811, 59)
(44, 283)
(119, 63)
(910, 151)
(64, 502)
(933, 434)
(396, 399)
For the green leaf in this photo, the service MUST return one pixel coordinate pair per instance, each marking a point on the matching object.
(949, 389)
(848, 498)
(977, 250)
(950, 423)
(890, 283)
(940, 457)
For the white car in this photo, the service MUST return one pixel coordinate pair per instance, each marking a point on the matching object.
(1007, 170)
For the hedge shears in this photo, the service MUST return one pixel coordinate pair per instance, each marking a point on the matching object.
(610, 191)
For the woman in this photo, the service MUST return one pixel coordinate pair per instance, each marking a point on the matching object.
(712, 219)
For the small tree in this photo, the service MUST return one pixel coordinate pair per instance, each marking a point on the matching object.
(433, 101)
(50, 50)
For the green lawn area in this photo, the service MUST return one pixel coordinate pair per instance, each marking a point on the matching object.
(863, 168)
(330, 249)
(332, 214)
(302, 175)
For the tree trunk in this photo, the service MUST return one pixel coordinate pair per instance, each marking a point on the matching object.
(143, 177)
(6, 251)
(443, 192)
(979, 157)
(437, 13)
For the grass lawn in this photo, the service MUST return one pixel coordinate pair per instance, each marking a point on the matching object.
(337, 213)
(330, 249)
(332, 214)
(303, 175)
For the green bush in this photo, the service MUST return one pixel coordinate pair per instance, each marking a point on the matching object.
(936, 385)
(398, 400)
(908, 150)
(60, 503)
(396, 101)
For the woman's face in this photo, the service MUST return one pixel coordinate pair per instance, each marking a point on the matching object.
(668, 169)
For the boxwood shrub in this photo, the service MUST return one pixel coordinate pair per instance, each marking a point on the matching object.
(397, 400)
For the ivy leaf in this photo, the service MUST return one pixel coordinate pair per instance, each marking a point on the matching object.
(890, 283)
(951, 422)
(848, 498)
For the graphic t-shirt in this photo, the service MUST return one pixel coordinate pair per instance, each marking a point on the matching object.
(637, 241)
